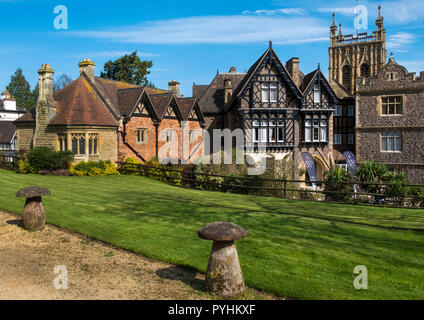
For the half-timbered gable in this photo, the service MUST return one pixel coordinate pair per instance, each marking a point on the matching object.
(317, 108)
(267, 103)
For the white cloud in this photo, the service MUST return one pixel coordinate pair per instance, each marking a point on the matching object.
(276, 11)
(348, 11)
(218, 30)
(397, 42)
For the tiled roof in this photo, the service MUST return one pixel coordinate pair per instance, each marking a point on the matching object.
(29, 116)
(186, 105)
(199, 90)
(212, 100)
(160, 103)
(79, 104)
(307, 80)
(7, 131)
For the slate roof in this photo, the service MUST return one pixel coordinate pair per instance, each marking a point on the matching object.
(307, 80)
(212, 99)
(7, 131)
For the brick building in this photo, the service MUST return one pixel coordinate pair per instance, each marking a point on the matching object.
(389, 120)
(100, 119)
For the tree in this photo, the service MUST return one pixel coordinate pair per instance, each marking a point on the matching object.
(129, 68)
(21, 90)
(61, 82)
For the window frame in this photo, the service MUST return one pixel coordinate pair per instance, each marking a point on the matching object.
(317, 94)
(141, 136)
(387, 104)
(396, 137)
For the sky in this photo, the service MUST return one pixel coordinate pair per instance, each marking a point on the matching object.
(190, 41)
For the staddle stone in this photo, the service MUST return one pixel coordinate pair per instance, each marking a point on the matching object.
(33, 216)
(224, 276)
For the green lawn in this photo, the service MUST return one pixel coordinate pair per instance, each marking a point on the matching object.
(300, 250)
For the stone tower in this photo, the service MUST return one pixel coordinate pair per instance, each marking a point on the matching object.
(45, 109)
(351, 57)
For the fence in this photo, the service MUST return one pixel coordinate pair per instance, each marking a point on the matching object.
(8, 160)
(368, 193)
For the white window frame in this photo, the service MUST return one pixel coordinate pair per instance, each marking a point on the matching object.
(265, 92)
(255, 131)
(317, 93)
(271, 129)
(273, 92)
(280, 125)
(395, 136)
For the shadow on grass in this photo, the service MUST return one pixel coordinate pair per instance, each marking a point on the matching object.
(184, 275)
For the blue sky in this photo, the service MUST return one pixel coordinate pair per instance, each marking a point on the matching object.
(190, 40)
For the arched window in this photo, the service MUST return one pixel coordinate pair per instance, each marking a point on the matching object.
(347, 77)
(365, 70)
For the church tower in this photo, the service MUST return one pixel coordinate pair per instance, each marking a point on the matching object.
(357, 56)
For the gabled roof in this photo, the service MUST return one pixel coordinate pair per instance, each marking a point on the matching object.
(161, 102)
(79, 104)
(311, 77)
(269, 53)
(213, 100)
(7, 131)
(186, 106)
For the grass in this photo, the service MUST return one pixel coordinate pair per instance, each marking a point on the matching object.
(297, 249)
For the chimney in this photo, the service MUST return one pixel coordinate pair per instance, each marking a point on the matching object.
(228, 90)
(174, 87)
(87, 66)
(233, 70)
(45, 84)
(293, 68)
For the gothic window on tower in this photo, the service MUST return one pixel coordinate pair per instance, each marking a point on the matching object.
(365, 70)
(347, 77)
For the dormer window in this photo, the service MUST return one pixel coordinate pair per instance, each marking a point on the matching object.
(317, 93)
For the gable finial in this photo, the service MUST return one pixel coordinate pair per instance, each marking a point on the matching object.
(340, 29)
(379, 11)
(270, 44)
(319, 66)
(334, 21)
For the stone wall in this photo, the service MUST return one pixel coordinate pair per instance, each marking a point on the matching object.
(25, 136)
(393, 80)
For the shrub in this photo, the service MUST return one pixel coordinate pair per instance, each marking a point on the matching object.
(372, 172)
(94, 168)
(133, 165)
(24, 167)
(44, 158)
(417, 194)
(338, 180)
(396, 188)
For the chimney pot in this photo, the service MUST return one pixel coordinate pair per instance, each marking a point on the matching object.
(174, 87)
(86, 66)
(233, 70)
(45, 84)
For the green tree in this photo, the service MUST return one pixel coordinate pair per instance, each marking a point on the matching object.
(129, 68)
(21, 90)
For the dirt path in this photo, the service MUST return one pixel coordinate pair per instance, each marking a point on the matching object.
(95, 270)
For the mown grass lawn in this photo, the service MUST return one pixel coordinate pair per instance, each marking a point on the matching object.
(300, 250)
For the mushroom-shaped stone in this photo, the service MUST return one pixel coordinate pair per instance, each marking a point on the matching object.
(33, 216)
(223, 277)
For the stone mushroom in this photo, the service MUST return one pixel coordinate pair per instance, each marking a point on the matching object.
(223, 277)
(33, 216)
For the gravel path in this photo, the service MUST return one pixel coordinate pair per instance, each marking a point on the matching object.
(95, 270)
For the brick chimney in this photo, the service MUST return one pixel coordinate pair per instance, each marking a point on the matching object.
(45, 84)
(293, 68)
(228, 90)
(233, 70)
(174, 87)
(87, 66)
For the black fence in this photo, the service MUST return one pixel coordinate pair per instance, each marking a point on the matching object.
(8, 160)
(367, 193)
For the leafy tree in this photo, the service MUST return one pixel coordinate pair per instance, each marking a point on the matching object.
(129, 68)
(61, 82)
(338, 180)
(21, 90)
